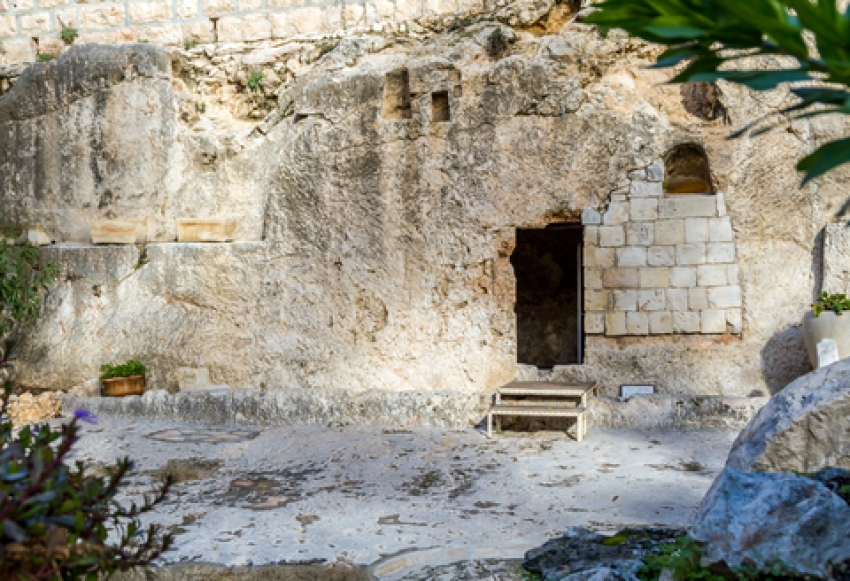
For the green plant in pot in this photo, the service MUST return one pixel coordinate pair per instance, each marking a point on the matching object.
(124, 379)
(827, 320)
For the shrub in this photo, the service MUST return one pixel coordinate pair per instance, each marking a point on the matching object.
(69, 35)
(55, 519)
(190, 44)
(497, 43)
(254, 79)
(129, 369)
(44, 57)
(837, 303)
(23, 282)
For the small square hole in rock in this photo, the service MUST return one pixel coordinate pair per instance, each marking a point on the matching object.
(440, 110)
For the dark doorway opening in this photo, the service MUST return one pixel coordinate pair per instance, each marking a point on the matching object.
(547, 265)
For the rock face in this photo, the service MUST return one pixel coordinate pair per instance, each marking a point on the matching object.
(377, 206)
(804, 428)
(582, 555)
(763, 519)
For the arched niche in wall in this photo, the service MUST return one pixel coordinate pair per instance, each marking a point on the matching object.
(686, 170)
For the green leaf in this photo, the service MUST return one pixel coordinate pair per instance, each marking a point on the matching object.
(826, 157)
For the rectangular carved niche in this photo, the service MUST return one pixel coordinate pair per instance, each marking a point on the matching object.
(440, 110)
(397, 95)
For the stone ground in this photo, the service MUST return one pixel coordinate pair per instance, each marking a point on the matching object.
(413, 504)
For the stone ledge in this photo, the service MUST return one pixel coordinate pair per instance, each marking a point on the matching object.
(447, 409)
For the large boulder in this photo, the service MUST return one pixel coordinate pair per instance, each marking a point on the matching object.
(803, 428)
(761, 519)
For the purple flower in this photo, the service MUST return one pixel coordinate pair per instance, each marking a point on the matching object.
(85, 416)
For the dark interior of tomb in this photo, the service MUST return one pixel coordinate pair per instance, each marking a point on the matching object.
(546, 265)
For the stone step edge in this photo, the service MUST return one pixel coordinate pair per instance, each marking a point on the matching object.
(446, 409)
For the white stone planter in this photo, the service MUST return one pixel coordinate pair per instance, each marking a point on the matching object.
(827, 326)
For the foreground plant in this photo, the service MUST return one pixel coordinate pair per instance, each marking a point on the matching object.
(56, 520)
(715, 36)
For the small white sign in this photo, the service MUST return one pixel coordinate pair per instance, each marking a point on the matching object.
(628, 391)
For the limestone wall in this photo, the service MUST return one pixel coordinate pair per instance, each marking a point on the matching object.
(32, 27)
(382, 216)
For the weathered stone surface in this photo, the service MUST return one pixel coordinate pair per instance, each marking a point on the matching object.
(584, 555)
(386, 261)
(803, 428)
(205, 230)
(759, 519)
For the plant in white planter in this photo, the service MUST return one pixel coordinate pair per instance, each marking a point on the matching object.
(827, 321)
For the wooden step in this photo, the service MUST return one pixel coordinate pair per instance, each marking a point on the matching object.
(536, 410)
(546, 388)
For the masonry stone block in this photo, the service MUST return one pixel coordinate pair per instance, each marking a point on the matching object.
(22, 5)
(617, 214)
(655, 172)
(594, 323)
(642, 189)
(248, 5)
(187, 9)
(696, 230)
(711, 275)
(591, 217)
(637, 323)
(720, 252)
(697, 299)
(8, 27)
(734, 321)
(686, 322)
(720, 229)
(684, 206)
(713, 321)
(66, 18)
(256, 27)
(102, 16)
(280, 25)
(661, 256)
(4, 6)
(165, 34)
(593, 278)
(624, 277)
(612, 236)
(683, 277)
(596, 300)
(640, 233)
(732, 273)
(591, 236)
(631, 256)
(724, 297)
(643, 209)
(230, 29)
(677, 299)
(306, 20)
(37, 235)
(286, 3)
(113, 232)
(638, 174)
(687, 254)
(625, 300)
(670, 232)
(660, 323)
(146, 12)
(35, 24)
(604, 257)
(652, 300)
(615, 324)
(200, 31)
(654, 277)
(217, 8)
(16, 51)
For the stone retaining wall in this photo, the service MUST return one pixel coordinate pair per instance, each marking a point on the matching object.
(32, 27)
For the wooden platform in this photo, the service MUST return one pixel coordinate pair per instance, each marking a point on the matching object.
(560, 402)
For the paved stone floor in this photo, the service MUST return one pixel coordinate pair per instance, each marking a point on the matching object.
(410, 504)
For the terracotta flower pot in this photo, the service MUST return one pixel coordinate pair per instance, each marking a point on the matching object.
(827, 326)
(122, 386)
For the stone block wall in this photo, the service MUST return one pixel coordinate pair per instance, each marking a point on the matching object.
(658, 265)
(30, 27)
